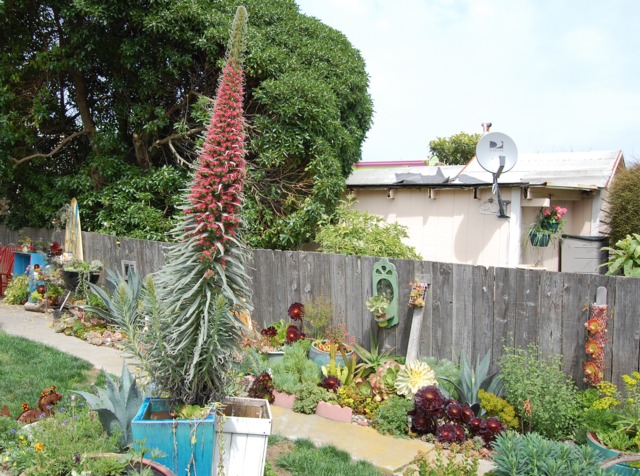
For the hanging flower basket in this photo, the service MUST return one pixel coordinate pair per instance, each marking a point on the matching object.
(539, 238)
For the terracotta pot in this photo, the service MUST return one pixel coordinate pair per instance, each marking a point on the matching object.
(156, 468)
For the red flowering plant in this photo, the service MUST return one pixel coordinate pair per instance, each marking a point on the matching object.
(276, 336)
(547, 226)
(551, 218)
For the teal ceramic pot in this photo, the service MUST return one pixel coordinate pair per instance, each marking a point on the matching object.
(620, 469)
(274, 357)
(322, 358)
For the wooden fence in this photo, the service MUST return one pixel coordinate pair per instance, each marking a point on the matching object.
(468, 309)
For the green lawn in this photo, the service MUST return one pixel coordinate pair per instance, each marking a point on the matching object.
(27, 367)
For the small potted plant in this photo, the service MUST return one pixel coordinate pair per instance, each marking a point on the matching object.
(274, 338)
(336, 345)
(378, 304)
(548, 226)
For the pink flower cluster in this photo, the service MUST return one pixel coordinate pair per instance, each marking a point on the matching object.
(553, 215)
(596, 339)
(218, 185)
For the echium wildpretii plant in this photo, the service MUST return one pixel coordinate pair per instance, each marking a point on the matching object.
(194, 306)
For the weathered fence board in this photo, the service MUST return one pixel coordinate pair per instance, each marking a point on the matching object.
(481, 290)
(468, 309)
(504, 312)
(550, 321)
(626, 336)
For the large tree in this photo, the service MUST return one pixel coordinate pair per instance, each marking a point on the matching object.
(107, 101)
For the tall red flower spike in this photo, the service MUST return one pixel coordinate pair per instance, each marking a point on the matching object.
(218, 184)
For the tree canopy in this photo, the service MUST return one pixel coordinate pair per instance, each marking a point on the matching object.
(107, 102)
(455, 150)
(623, 210)
(352, 232)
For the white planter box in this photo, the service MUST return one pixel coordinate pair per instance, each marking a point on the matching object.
(245, 433)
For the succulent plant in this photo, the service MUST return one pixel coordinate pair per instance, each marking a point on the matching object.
(383, 380)
(430, 399)
(473, 379)
(412, 377)
(262, 387)
(117, 404)
(449, 420)
(331, 382)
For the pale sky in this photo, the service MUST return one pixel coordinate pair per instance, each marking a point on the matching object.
(554, 75)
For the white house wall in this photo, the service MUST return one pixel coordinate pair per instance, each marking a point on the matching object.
(451, 227)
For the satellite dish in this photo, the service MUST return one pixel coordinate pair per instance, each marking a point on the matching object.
(497, 153)
(495, 149)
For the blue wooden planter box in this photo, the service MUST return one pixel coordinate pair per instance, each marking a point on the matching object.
(174, 439)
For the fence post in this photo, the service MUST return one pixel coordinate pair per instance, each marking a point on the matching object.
(416, 321)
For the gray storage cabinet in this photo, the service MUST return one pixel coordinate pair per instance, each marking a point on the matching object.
(583, 254)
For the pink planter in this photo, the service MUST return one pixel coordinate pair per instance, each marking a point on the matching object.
(284, 400)
(334, 412)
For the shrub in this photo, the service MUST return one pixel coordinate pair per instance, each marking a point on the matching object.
(17, 291)
(498, 407)
(295, 369)
(533, 454)
(624, 257)
(544, 397)
(437, 464)
(391, 416)
(51, 446)
(352, 232)
(624, 204)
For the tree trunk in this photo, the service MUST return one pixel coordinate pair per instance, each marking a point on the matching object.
(142, 150)
(82, 102)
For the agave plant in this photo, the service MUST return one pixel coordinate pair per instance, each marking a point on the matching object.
(474, 379)
(117, 404)
(371, 360)
(121, 298)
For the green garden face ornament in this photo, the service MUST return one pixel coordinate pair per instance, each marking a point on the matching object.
(385, 283)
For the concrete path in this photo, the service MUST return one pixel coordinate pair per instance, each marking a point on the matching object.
(36, 326)
(387, 453)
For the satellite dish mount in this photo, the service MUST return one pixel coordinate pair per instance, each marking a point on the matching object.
(497, 153)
